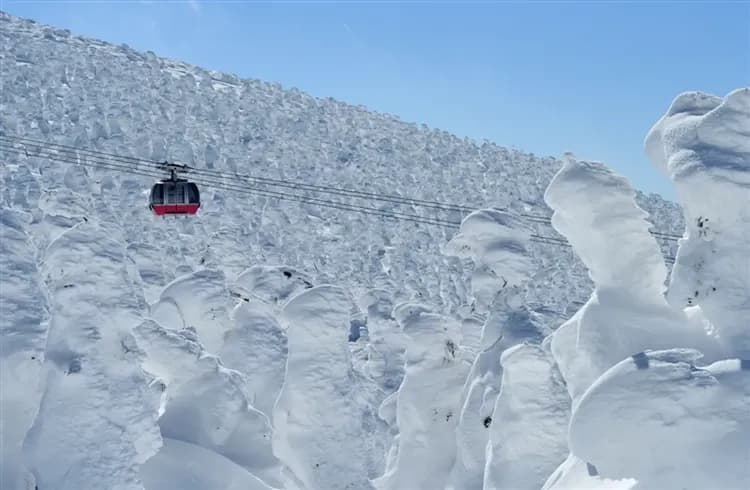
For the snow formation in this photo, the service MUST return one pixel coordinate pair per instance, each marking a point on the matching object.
(660, 380)
(703, 143)
(264, 344)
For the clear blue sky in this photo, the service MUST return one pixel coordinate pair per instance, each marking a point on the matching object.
(544, 77)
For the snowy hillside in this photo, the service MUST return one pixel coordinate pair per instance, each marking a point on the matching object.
(89, 94)
(272, 344)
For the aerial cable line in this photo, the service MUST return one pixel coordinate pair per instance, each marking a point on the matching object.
(76, 160)
(103, 164)
(111, 158)
(299, 185)
(325, 202)
(249, 190)
(75, 149)
(98, 162)
(98, 156)
(156, 173)
(265, 192)
(289, 184)
(277, 182)
(263, 180)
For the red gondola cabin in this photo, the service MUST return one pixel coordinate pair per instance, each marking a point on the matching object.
(174, 196)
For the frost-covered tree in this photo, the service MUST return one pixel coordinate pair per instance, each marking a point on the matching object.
(659, 376)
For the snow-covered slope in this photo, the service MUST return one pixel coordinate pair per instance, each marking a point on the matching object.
(267, 344)
(90, 94)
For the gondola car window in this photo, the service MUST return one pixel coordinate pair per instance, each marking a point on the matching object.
(157, 194)
(193, 196)
(174, 193)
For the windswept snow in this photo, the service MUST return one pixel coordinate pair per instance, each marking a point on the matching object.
(498, 245)
(203, 403)
(427, 404)
(596, 211)
(703, 142)
(575, 474)
(256, 346)
(271, 284)
(386, 341)
(678, 426)
(97, 420)
(320, 419)
(529, 423)
(201, 302)
(23, 334)
(185, 466)
(659, 381)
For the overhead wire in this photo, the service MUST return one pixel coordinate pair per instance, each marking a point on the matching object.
(223, 186)
(294, 185)
(213, 182)
(116, 162)
(263, 180)
(73, 155)
(246, 191)
(251, 191)
(266, 181)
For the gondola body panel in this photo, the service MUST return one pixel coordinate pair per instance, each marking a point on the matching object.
(174, 196)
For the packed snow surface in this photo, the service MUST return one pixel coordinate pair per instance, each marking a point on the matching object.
(263, 344)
